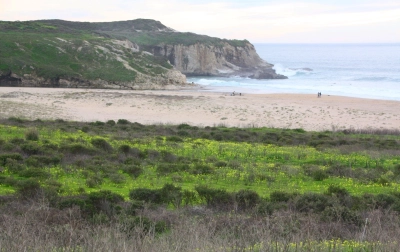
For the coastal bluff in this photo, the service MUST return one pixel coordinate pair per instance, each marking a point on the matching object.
(135, 54)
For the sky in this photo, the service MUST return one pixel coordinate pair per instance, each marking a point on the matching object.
(259, 21)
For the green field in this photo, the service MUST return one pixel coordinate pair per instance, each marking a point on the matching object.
(335, 177)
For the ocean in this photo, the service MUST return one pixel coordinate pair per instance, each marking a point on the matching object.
(355, 70)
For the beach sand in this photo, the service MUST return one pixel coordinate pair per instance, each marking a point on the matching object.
(199, 107)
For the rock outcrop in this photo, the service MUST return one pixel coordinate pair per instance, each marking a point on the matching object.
(167, 80)
(211, 60)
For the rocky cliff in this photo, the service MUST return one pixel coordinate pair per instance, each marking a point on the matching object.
(217, 60)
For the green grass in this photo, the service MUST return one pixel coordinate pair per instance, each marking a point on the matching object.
(74, 56)
(261, 167)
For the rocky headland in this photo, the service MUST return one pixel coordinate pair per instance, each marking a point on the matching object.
(136, 54)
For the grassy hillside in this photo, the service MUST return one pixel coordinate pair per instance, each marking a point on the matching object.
(51, 51)
(147, 185)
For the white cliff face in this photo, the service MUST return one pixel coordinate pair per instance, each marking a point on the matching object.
(203, 59)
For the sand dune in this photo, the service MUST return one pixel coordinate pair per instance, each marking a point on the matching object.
(200, 107)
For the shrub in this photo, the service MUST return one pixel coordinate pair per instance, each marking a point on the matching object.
(133, 170)
(184, 126)
(265, 208)
(80, 201)
(188, 197)
(97, 123)
(110, 122)
(13, 165)
(28, 188)
(124, 149)
(341, 213)
(280, 196)
(32, 134)
(170, 168)
(217, 198)
(146, 195)
(385, 201)
(34, 173)
(312, 202)
(168, 157)
(220, 164)
(171, 194)
(174, 139)
(94, 181)
(319, 175)
(247, 199)
(339, 171)
(4, 158)
(41, 161)
(31, 148)
(201, 169)
(123, 121)
(101, 144)
(337, 191)
(117, 178)
(142, 226)
(153, 154)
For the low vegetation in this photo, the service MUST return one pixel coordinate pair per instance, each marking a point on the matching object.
(104, 185)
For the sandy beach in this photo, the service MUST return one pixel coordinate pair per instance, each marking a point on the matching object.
(201, 108)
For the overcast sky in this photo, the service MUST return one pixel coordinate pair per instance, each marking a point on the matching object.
(280, 21)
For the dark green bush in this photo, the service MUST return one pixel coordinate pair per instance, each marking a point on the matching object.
(280, 196)
(34, 173)
(153, 154)
(174, 139)
(247, 199)
(171, 194)
(13, 165)
(117, 178)
(339, 171)
(334, 190)
(385, 201)
(101, 144)
(184, 126)
(312, 202)
(110, 122)
(28, 188)
(97, 123)
(220, 164)
(94, 181)
(341, 213)
(170, 168)
(42, 161)
(201, 169)
(265, 208)
(32, 134)
(71, 201)
(217, 198)
(168, 157)
(146, 195)
(319, 175)
(17, 141)
(123, 121)
(132, 170)
(31, 148)
(124, 149)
